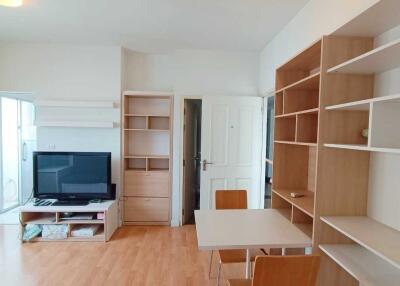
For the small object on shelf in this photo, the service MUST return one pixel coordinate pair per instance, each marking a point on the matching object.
(100, 216)
(67, 215)
(85, 230)
(296, 195)
(51, 231)
(364, 133)
(77, 216)
(31, 231)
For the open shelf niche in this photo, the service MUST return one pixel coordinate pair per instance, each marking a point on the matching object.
(358, 247)
(147, 138)
(300, 68)
(374, 116)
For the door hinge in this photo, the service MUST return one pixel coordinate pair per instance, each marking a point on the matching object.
(183, 162)
(183, 212)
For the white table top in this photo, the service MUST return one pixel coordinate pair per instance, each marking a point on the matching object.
(242, 229)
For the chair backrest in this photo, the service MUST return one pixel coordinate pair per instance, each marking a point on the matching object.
(230, 199)
(299, 270)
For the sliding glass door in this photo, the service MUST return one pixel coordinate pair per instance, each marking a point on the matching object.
(18, 140)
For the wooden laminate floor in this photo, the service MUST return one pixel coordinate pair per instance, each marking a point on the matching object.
(134, 256)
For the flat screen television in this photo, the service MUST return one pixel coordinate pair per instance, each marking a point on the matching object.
(72, 175)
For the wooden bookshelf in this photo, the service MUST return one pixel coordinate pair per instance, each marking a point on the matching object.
(328, 125)
(147, 140)
(354, 123)
(297, 107)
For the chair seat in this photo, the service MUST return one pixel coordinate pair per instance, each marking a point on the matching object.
(239, 282)
(238, 255)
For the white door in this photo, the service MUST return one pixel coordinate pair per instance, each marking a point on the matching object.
(231, 147)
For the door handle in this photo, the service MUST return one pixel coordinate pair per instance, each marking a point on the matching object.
(205, 163)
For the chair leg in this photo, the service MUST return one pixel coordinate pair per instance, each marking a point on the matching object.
(210, 264)
(219, 272)
(251, 269)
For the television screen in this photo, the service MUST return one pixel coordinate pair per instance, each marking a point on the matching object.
(72, 175)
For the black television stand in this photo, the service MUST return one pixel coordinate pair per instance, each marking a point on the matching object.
(70, 203)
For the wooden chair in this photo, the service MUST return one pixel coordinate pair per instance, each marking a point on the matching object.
(296, 270)
(231, 199)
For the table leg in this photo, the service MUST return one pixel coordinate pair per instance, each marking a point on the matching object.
(248, 265)
(283, 251)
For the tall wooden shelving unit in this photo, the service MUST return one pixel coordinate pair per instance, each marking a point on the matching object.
(147, 149)
(327, 156)
(296, 137)
(356, 248)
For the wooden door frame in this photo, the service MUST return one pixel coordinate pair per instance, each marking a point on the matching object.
(264, 145)
(181, 154)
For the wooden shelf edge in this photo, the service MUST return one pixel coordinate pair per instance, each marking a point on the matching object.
(146, 115)
(363, 148)
(308, 111)
(291, 86)
(364, 266)
(366, 56)
(147, 171)
(146, 156)
(296, 143)
(366, 225)
(365, 101)
(96, 238)
(147, 130)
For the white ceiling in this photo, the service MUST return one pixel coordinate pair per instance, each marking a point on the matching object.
(150, 25)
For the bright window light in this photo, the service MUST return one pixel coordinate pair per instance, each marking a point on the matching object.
(11, 3)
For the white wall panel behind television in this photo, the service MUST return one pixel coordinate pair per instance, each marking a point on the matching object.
(68, 72)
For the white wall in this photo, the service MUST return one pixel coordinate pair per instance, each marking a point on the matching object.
(148, 71)
(317, 18)
(216, 72)
(68, 72)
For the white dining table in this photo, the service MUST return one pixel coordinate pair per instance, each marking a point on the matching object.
(248, 229)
